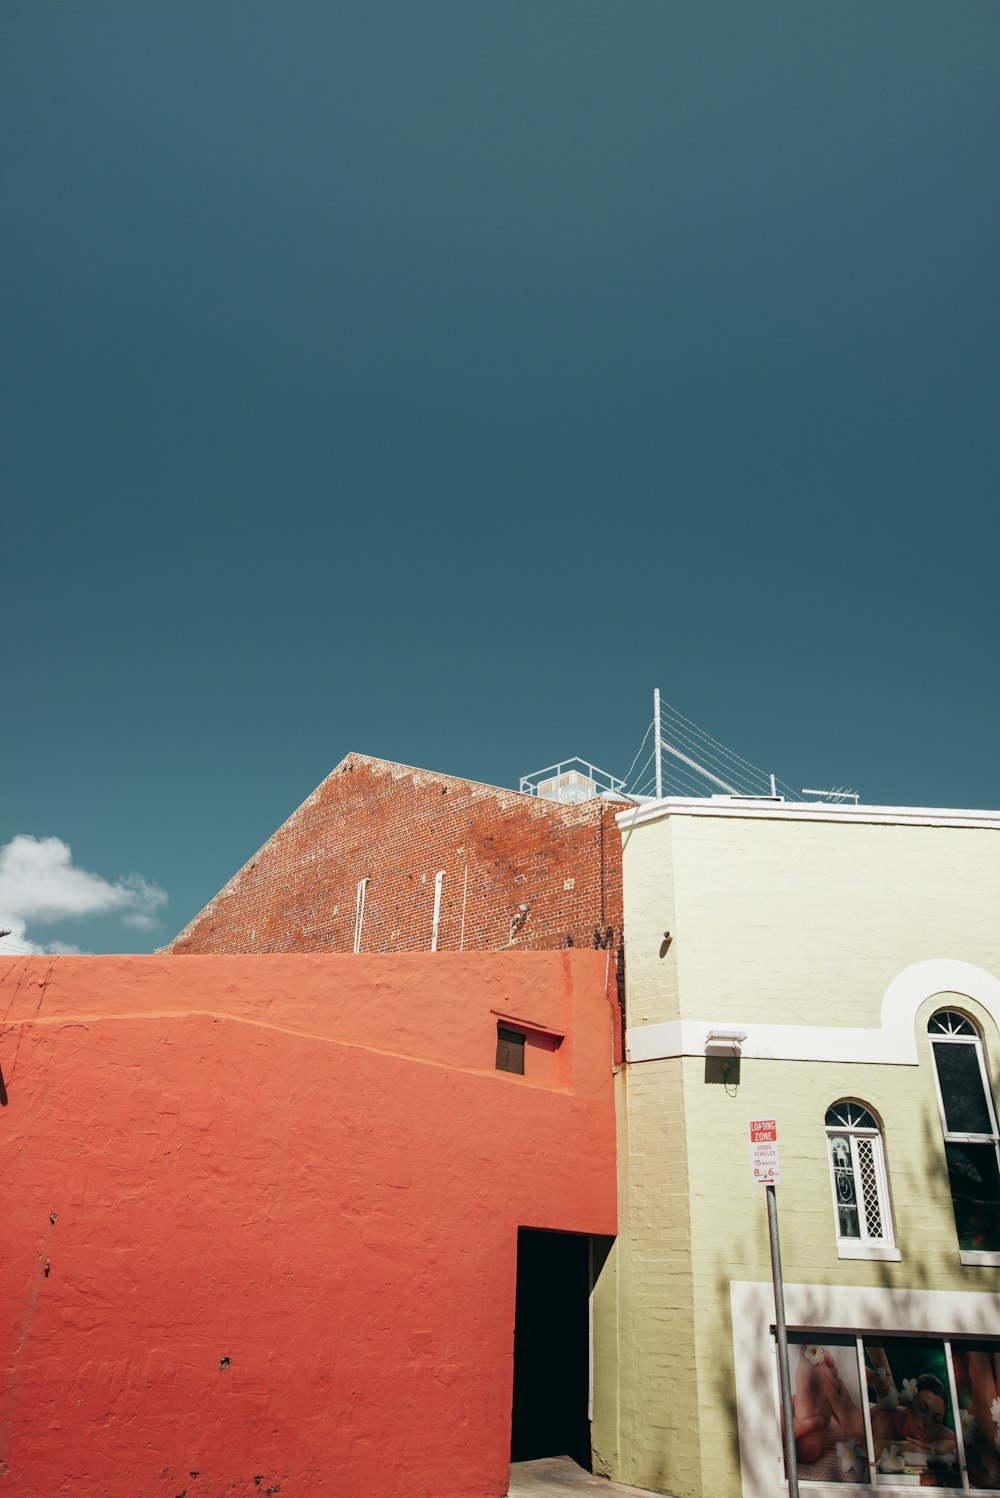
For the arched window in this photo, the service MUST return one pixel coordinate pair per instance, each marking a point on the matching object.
(969, 1121)
(860, 1185)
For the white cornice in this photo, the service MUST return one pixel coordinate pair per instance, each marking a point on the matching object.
(892, 1043)
(804, 811)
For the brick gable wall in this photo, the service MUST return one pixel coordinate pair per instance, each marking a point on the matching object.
(398, 827)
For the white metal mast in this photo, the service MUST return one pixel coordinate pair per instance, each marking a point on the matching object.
(661, 744)
(737, 769)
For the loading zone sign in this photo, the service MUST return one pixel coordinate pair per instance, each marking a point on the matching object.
(764, 1151)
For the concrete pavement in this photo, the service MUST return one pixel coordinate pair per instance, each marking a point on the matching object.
(554, 1475)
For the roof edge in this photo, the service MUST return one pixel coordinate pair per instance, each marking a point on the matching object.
(754, 808)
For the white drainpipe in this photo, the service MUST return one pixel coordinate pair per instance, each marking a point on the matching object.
(359, 912)
(438, 881)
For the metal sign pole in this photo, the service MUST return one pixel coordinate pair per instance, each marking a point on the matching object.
(788, 1421)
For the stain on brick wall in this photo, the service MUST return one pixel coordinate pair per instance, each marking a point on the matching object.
(398, 827)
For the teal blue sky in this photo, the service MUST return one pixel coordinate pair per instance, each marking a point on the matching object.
(436, 379)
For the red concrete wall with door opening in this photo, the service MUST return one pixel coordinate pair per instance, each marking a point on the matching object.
(261, 1215)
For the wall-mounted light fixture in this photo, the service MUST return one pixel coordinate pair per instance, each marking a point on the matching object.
(724, 1042)
(517, 923)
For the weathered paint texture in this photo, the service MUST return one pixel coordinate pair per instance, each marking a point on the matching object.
(398, 828)
(260, 1215)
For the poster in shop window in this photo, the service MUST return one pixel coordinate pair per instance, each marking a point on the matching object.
(977, 1381)
(827, 1408)
(905, 1387)
(909, 1406)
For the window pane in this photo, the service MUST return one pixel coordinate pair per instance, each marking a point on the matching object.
(975, 1194)
(849, 1220)
(869, 1186)
(844, 1187)
(977, 1366)
(961, 1081)
(849, 1116)
(913, 1428)
(950, 1022)
(827, 1406)
(510, 1050)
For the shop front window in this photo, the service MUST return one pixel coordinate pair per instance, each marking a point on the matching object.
(977, 1383)
(878, 1411)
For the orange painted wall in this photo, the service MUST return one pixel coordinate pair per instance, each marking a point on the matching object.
(307, 1166)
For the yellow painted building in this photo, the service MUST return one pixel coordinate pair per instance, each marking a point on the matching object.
(836, 968)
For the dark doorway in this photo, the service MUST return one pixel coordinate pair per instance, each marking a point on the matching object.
(551, 1347)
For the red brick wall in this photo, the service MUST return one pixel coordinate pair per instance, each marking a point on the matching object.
(398, 826)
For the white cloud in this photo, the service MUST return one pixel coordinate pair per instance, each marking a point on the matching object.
(39, 883)
(13, 945)
(141, 920)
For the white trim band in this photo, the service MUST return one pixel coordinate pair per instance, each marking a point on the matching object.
(893, 1043)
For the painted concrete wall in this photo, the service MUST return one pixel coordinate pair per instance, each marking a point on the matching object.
(797, 922)
(646, 1430)
(804, 926)
(261, 1215)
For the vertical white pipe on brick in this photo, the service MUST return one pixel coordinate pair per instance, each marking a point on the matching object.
(465, 895)
(438, 881)
(359, 912)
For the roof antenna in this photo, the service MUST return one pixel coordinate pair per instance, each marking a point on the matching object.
(661, 744)
(838, 795)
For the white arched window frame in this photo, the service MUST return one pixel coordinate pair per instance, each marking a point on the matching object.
(861, 1206)
(971, 1137)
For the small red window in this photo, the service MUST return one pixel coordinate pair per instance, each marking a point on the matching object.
(510, 1050)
